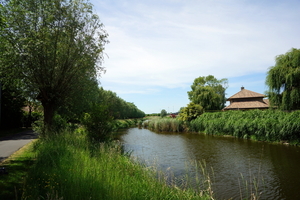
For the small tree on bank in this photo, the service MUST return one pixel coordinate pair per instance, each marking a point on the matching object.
(191, 112)
(163, 113)
(283, 81)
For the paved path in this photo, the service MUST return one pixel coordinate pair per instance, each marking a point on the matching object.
(10, 144)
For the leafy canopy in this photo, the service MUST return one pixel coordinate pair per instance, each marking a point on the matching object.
(55, 47)
(209, 92)
(283, 81)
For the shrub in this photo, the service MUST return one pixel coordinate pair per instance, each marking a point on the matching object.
(99, 123)
(163, 113)
(191, 112)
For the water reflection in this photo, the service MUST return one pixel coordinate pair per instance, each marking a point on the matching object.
(235, 162)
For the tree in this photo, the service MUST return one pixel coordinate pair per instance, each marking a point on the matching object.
(192, 111)
(12, 102)
(80, 102)
(163, 113)
(209, 92)
(283, 81)
(53, 46)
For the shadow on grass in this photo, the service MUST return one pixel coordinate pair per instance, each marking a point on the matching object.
(12, 177)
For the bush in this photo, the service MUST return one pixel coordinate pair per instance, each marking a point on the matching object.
(191, 112)
(28, 119)
(99, 123)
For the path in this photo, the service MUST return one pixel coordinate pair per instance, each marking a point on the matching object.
(10, 144)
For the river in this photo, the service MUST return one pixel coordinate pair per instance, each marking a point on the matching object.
(235, 166)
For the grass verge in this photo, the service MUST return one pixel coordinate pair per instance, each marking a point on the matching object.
(69, 166)
(16, 166)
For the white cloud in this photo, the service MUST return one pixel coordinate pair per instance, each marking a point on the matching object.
(170, 43)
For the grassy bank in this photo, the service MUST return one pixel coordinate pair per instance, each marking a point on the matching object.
(127, 123)
(16, 169)
(68, 166)
(263, 125)
(165, 124)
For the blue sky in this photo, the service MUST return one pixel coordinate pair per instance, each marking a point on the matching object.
(158, 47)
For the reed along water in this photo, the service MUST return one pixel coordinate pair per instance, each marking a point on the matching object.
(239, 167)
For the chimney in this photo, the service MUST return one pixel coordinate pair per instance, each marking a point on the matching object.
(242, 88)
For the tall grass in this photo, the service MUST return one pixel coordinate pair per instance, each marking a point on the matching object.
(68, 166)
(265, 125)
(165, 124)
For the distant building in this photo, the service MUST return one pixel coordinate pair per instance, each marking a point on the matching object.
(246, 99)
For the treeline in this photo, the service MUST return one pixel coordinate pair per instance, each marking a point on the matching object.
(52, 65)
(119, 108)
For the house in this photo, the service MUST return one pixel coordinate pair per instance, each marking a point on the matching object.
(246, 99)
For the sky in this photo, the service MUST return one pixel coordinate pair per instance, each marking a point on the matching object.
(158, 47)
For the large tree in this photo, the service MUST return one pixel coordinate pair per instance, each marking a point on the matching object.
(283, 81)
(53, 46)
(209, 92)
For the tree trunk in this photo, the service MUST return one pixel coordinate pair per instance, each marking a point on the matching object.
(48, 115)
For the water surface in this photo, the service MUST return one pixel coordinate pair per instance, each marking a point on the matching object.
(235, 162)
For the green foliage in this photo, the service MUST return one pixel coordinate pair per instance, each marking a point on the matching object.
(117, 107)
(192, 111)
(99, 119)
(127, 123)
(66, 169)
(55, 47)
(208, 92)
(12, 102)
(99, 123)
(29, 118)
(75, 107)
(265, 125)
(283, 81)
(17, 165)
(163, 113)
(165, 124)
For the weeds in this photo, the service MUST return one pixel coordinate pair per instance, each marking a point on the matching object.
(165, 124)
(67, 167)
(263, 125)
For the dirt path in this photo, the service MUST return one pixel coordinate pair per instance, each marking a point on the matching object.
(10, 144)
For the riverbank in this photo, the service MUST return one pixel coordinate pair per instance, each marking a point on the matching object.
(260, 125)
(69, 166)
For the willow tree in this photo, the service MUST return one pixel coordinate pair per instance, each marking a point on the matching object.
(53, 46)
(208, 92)
(283, 81)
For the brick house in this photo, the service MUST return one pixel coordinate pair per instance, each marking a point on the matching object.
(246, 99)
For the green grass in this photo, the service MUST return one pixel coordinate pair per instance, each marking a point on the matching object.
(68, 166)
(165, 124)
(263, 125)
(127, 123)
(17, 166)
